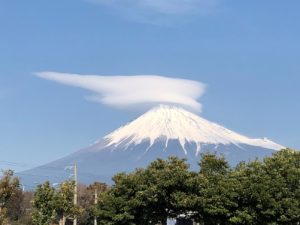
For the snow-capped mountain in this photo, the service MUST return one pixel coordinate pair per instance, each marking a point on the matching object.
(161, 132)
(166, 123)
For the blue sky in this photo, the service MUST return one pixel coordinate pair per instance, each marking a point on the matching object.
(246, 52)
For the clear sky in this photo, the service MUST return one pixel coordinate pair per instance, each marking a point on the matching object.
(246, 52)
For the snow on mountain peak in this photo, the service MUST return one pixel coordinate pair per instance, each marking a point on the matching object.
(173, 123)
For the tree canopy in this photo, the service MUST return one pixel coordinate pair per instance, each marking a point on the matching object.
(252, 193)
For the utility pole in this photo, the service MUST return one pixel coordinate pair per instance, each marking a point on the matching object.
(96, 201)
(75, 192)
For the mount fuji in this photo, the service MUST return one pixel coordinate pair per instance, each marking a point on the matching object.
(159, 133)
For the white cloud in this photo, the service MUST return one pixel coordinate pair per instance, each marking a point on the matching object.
(131, 91)
(155, 11)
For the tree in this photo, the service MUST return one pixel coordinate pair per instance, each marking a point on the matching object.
(117, 205)
(10, 196)
(283, 168)
(86, 200)
(146, 196)
(64, 201)
(26, 207)
(3, 217)
(252, 193)
(51, 205)
(215, 192)
(270, 190)
(165, 184)
(14, 205)
(44, 205)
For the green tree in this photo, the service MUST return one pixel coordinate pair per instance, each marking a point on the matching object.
(270, 190)
(283, 169)
(165, 184)
(215, 190)
(146, 196)
(252, 193)
(118, 205)
(64, 202)
(44, 205)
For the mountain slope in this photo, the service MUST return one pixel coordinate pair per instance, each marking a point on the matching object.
(161, 132)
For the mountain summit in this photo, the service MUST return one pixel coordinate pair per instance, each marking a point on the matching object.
(159, 133)
(166, 123)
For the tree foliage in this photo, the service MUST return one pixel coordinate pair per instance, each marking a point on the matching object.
(64, 200)
(146, 196)
(269, 190)
(251, 193)
(86, 200)
(10, 196)
(44, 205)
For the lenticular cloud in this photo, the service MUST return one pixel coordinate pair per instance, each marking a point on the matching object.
(129, 91)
